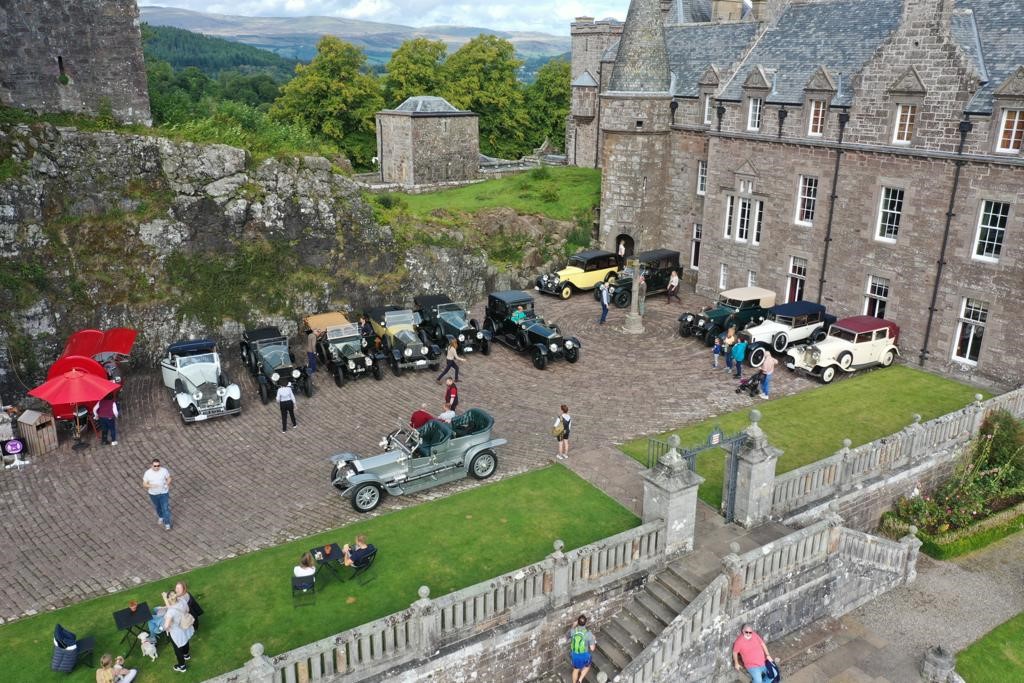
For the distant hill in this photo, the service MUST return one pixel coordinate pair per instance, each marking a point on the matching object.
(183, 48)
(296, 37)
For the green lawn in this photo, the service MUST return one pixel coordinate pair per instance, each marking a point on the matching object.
(565, 193)
(446, 544)
(812, 425)
(997, 656)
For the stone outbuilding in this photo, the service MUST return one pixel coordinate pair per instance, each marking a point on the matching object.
(426, 140)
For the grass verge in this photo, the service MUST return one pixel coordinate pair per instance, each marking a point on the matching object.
(446, 544)
(996, 657)
(811, 425)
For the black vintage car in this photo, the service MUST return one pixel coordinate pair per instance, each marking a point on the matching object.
(265, 352)
(656, 266)
(343, 350)
(443, 322)
(525, 332)
(404, 345)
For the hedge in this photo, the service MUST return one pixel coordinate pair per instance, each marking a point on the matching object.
(961, 541)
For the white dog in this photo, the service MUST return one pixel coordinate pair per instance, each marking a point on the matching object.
(148, 645)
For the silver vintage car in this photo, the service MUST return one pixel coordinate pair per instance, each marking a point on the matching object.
(427, 453)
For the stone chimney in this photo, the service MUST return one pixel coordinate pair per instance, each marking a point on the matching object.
(727, 10)
(759, 10)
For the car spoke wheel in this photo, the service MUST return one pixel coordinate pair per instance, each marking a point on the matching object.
(780, 342)
(339, 376)
(622, 299)
(566, 291)
(396, 368)
(483, 464)
(522, 342)
(845, 360)
(888, 358)
(818, 335)
(378, 372)
(572, 355)
(597, 293)
(264, 393)
(540, 361)
(756, 357)
(366, 497)
(828, 374)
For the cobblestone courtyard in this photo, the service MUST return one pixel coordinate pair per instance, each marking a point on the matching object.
(78, 523)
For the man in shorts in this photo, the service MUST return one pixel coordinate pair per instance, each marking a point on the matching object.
(581, 644)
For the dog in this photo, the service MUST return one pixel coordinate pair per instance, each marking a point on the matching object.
(148, 645)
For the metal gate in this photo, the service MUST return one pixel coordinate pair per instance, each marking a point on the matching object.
(716, 439)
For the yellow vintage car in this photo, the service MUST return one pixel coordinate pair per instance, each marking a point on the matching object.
(585, 270)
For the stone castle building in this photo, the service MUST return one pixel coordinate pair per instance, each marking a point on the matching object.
(426, 140)
(79, 56)
(861, 153)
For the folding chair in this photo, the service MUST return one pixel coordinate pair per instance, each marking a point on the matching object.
(303, 588)
(360, 569)
(68, 650)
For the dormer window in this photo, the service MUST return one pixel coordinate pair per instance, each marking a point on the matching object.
(906, 118)
(755, 108)
(816, 118)
(1011, 131)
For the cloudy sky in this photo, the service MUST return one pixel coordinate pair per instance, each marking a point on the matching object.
(548, 16)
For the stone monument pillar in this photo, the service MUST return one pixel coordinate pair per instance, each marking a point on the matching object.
(755, 475)
(634, 321)
(670, 494)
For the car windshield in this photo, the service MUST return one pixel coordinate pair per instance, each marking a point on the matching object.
(406, 440)
(725, 302)
(199, 359)
(407, 337)
(342, 332)
(276, 357)
(392, 318)
(576, 262)
(840, 333)
(453, 314)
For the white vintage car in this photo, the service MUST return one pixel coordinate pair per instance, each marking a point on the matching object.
(852, 344)
(201, 390)
(787, 324)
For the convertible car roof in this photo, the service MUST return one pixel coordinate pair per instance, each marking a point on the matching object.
(766, 296)
(591, 253)
(656, 255)
(191, 347)
(797, 308)
(379, 311)
(321, 321)
(512, 296)
(259, 333)
(430, 300)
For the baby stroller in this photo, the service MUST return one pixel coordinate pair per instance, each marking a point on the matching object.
(751, 386)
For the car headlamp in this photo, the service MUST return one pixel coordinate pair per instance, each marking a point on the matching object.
(423, 351)
(479, 335)
(363, 344)
(700, 323)
(568, 343)
(689, 317)
(275, 378)
(296, 374)
(369, 361)
(197, 395)
(222, 391)
(462, 337)
(351, 365)
(408, 352)
(553, 346)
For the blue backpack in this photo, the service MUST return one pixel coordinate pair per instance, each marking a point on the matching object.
(772, 673)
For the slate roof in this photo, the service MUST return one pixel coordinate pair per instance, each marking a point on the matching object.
(840, 35)
(688, 11)
(426, 103)
(692, 49)
(1000, 48)
(641, 62)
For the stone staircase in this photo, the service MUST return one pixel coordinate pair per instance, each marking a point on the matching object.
(647, 614)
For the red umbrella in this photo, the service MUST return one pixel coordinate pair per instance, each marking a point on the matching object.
(74, 386)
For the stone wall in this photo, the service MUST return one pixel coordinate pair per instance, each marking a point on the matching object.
(590, 39)
(78, 56)
(419, 149)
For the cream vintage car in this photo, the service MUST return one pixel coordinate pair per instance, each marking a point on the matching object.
(851, 344)
(585, 270)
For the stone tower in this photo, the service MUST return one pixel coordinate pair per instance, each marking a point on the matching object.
(426, 140)
(635, 118)
(590, 40)
(73, 56)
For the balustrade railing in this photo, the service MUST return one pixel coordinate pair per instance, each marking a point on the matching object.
(874, 551)
(798, 550)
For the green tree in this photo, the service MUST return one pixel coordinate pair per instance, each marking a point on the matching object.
(547, 100)
(333, 96)
(481, 76)
(415, 69)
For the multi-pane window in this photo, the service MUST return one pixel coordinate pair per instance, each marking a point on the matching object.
(970, 331)
(877, 296)
(816, 118)
(751, 278)
(797, 277)
(991, 229)
(723, 276)
(743, 221)
(806, 199)
(695, 246)
(754, 111)
(708, 108)
(889, 213)
(1011, 132)
(758, 218)
(730, 210)
(702, 177)
(906, 117)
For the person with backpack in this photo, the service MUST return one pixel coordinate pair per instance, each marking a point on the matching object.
(749, 652)
(581, 644)
(560, 429)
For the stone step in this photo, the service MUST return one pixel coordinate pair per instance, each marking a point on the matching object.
(679, 585)
(636, 628)
(601, 664)
(623, 638)
(613, 654)
(657, 589)
(687, 574)
(662, 613)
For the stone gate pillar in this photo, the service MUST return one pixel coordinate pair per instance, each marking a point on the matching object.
(755, 475)
(670, 494)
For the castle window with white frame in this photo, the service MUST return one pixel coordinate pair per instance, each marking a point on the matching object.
(708, 108)
(991, 230)
(743, 220)
(816, 118)
(877, 296)
(797, 279)
(723, 276)
(730, 210)
(890, 214)
(751, 278)
(1011, 132)
(744, 215)
(755, 237)
(906, 118)
(755, 109)
(698, 229)
(702, 177)
(970, 330)
(806, 200)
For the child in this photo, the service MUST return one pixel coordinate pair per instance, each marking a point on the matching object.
(716, 351)
(123, 674)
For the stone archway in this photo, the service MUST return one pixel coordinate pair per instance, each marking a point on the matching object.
(628, 239)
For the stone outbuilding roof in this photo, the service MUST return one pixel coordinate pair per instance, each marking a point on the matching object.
(427, 103)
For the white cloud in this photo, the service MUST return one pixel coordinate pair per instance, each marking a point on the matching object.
(500, 15)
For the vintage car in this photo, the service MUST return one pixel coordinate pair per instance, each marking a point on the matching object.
(342, 350)
(531, 334)
(740, 307)
(851, 344)
(656, 266)
(265, 352)
(419, 457)
(787, 324)
(585, 270)
(444, 322)
(404, 346)
(199, 387)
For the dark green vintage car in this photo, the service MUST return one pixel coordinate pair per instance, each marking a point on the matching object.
(735, 308)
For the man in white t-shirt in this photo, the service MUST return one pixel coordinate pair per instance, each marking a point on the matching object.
(157, 482)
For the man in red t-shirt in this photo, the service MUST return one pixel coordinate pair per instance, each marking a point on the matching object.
(451, 395)
(749, 647)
